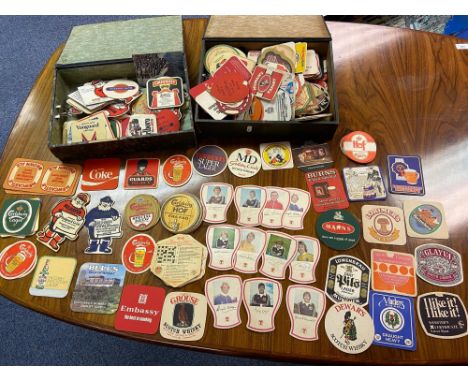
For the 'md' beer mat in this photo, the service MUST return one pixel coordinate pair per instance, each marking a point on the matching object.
(338, 229)
(425, 219)
(393, 320)
(140, 309)
(98, 288)
(442, 315)
(184, 316)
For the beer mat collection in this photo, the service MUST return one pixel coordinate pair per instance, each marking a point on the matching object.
(369, 304)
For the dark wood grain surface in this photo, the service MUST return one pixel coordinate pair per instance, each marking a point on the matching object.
(408, 89)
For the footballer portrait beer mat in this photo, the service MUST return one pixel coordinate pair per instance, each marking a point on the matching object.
(18, 260)
(250, 202)
(244, 162)
(216, 199)
(184, 316)
(349, 327)
(224, 296)
(279, 252)
(299, 204)
(359, 146)
(425, 219)
(393, 272)
(364, 183)
(19, 217)
(439, 265)
(222, 241)
(209, 160)
(405, 174)
(306, 306)
(348, 279)
(262, 299)
(141, 173)
(140, 309)
(393, 320)
(142, 212)
(338, 229)
(275, 206)
(100, 174)
(252, 244)
(302, 268)
(442, 315)
(326, 190)
(53, 276)
(177, 170)
(276, 156)
(383, 224)
(137, 253)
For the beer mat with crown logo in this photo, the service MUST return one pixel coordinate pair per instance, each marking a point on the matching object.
(19, 217)
(405, 174)
(383, 224)
(141, 173)
(142, 212)
(137, 253)
(100, 174)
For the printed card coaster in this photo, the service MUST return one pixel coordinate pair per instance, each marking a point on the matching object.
(224, 295)
(98, 288)
(383, 225)
(141, 173)
(142, 212)
(19, 217)
(364, 183)
(276, 156)
(338, 229)
(104, 224)
(177, 170)
(53, 276)
(249, 201)
(442, 315)
(302, 268)
(439, 265)
(326, 190)
(299, 204)
(137, 253)
(312, 157)
(252, 244)
(244, 162)
(139, 125)
(222, 242)
(405, 174)
(425, 219)
(209, 160)
(100, 174)
(275, 206)
(18, 260)
(306, 306)
(348, 279)
(181, 213)
(393, 272)
(184, 316)
(120, 89)
(393, 321)
(262, 299)
(165, 92)
(67, 218)
(349, 327)
(140, 309)
(279, 253)
(216, 199)
(359, 147)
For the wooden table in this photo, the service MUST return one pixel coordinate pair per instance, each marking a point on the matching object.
(408, 89)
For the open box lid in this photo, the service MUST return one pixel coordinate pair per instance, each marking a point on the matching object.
(267, 27)
(90, 43)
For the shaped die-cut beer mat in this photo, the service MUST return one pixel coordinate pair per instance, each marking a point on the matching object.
(276, 156)
(137, 253)
(19, 217)
(18, 259)
(364, 183)
(326, 190)
(305, 260)
(275, 207)
(216, 199)
(439, 265)
(393, 272)
(425, 219)
(165, 92)
(222, 242)
(140, 309)
(141, 173)
(338, 229)
(442, 315)
(244, 162)
(298, 207)
(306, 306)
(177, 170)
(249, 201)
(120, 89)
(349, 327)
(100, 174)
(142, 212)
(184, 316)
(279, 253)
(393, 320)
(224, 296)
(383, 224)
(348, 279)
(53, 276)
(252, 244)
(405, 174)
(359, 146)
(209, 160)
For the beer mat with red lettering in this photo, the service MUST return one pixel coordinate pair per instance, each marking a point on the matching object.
(138, 252)
(29, 176)
(326, 190)
(209, 160)
(165, 92)
(100, 174)
(141, 173)
(359, 147)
